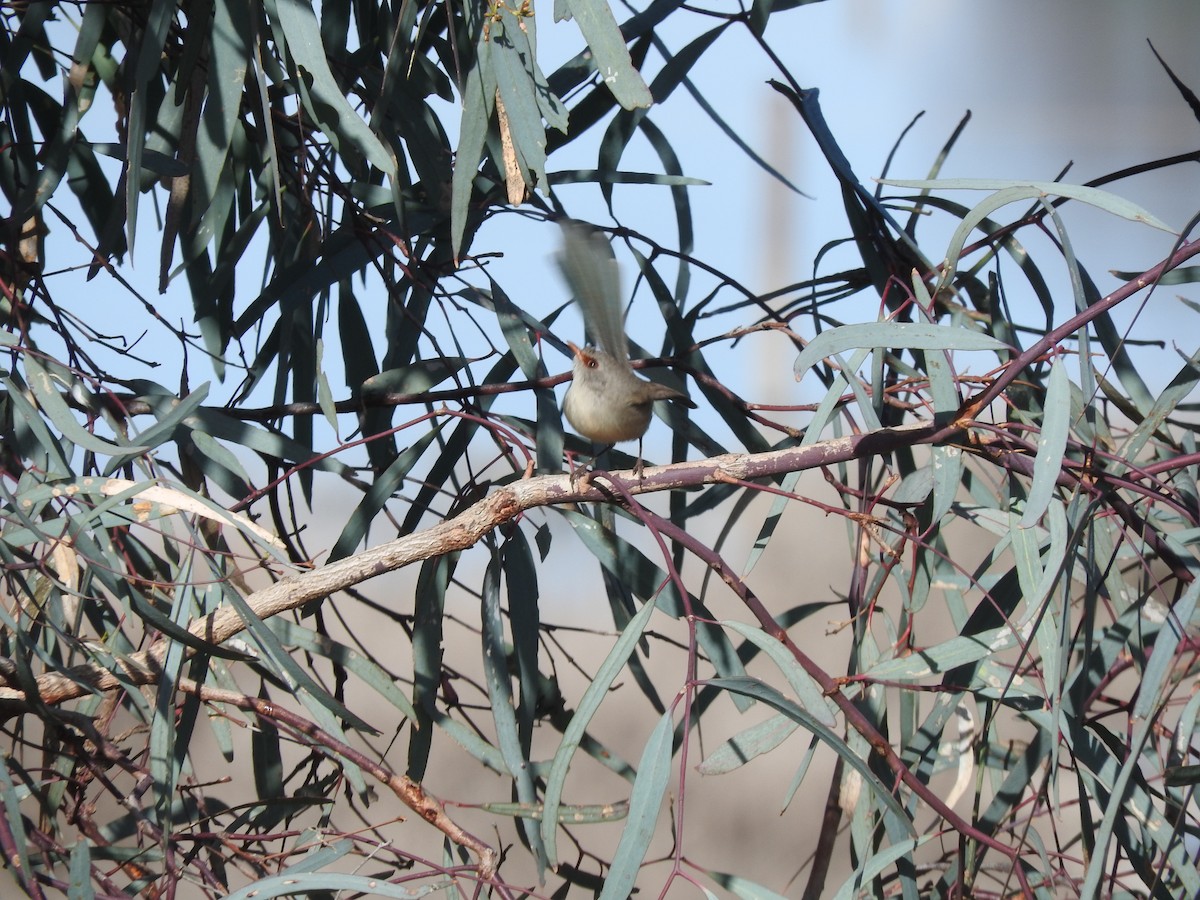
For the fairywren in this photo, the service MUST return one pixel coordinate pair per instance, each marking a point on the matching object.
(606, 401)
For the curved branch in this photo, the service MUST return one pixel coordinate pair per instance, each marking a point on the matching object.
(410, 792)
(459, 533)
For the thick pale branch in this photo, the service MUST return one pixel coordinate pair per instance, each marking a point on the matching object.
(506, 503)
(464, 530)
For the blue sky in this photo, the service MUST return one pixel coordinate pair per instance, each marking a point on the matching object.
(1047, 84)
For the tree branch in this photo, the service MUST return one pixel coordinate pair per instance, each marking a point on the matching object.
(464, 530)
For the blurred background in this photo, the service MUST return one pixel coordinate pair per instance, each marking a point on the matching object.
(1051, 88)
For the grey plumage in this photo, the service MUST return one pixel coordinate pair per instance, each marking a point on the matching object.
(590, 267)
(606, 401)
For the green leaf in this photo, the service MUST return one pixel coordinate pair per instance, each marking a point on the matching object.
(229, 63)
(612, 59)
(607, 176)
(744, 887)
(774, 516)
(519, 333)
(894, 335)
(266, 758)
(145, 70)
(876, 864)
(808, 692)
(760, 13)
(645, 804)
(19, 849)
(80, 887)
(171, 413)
(499, 688)
(521, 579)
(748, 744)
(947, 655)
(324, 394)
(382, 489)
(1157, 676)
(470, 741)
(353, 661)
(941, 378)
(219, 425)
(479, 99)
(511, 59)
(1014, 190)
(428, 616)
(330, 883)
(329, 109)
(1182, 776)
(1165, 405)
(1182, 275)
(322, 705)
(573, 734)
(415, 378)
(947, 477)
(577, 814)
(1051, 444)
(327, 855)
(634, 570)
(757, 690)
(47, 392)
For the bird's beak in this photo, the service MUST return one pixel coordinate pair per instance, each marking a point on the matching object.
(581, 354)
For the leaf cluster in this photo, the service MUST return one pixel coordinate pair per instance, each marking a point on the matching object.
(195, 696)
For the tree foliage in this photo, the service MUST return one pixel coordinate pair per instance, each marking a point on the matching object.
(196, 698)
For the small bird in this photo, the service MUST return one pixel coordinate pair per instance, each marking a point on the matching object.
(606, 401)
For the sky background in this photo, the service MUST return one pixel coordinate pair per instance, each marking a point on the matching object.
(1047, 84)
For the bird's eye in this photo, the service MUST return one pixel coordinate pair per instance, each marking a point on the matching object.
(591, 363)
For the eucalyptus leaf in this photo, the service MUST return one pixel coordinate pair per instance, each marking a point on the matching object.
(341, 124)
(895, 335)
(612, 58)
(654, 771)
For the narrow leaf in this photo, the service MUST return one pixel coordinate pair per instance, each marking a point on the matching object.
(46, 390)
(645, 804)
(612, 59)
(1051, 445)
(1030, 190)
(808, 692)
(897, 335)
(574, 732)
(332, 112)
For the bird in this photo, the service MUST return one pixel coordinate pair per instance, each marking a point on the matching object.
(606, 402)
